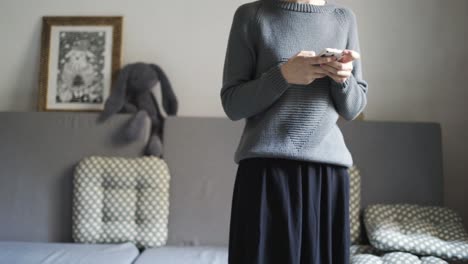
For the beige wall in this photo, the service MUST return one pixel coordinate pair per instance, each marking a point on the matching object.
(414, 56)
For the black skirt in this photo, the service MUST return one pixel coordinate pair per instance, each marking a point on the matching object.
(289, 212)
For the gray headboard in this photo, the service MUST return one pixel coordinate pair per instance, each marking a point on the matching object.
(37, 155)
(399, 162)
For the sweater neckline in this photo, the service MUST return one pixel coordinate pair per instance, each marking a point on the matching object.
(305, 7)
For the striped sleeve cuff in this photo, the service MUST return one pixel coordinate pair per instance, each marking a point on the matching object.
(343, 87)
(276, 79)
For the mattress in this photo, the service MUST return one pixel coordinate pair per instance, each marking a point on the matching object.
(55, 253)
(184, 255)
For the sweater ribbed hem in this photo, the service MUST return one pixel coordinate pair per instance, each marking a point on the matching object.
(345, 159)
(304, 7)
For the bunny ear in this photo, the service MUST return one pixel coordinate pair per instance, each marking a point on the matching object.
(116, 99)
(69, 54)
(169, 99)
(90, 54)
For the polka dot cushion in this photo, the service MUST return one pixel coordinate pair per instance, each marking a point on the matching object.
(432, 260)
(121, 200)
(366, 254)
(365, 259)
(365, 249)
(422, 230)
(354, 204)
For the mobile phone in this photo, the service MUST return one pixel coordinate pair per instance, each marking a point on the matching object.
(329, 52)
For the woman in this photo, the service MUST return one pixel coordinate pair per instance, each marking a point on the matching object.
(291, 192)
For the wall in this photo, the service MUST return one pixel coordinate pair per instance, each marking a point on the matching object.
(414, 55)
(416, 62)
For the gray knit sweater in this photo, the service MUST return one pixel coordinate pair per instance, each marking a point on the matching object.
(287, 120)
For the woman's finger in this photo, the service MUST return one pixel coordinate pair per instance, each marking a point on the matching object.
(318, 69)
(341, 66)
(339, 73)
(338, 78)
(328, 68)
(354, 54)
(345, 74)
(318, 60)
(350, 55)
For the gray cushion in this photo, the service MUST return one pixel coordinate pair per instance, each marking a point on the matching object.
(423, 230)
(395, 258)
(59, 253)
(121, 200)
(184, 255)
(365, 249)
(366, 254)
(355, 204)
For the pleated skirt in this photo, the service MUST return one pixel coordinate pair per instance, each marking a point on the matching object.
(288, 211)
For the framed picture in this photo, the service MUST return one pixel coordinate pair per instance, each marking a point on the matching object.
(360, 117)
(80, 57)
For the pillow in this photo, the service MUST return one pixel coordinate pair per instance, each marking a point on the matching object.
(119, 200)
(365, 249)
(366, 254)
(423, 230)
(394, 258)
(354, 204)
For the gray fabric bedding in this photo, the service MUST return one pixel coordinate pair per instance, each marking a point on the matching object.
(366, 254)
(59, 253)
(184, 255)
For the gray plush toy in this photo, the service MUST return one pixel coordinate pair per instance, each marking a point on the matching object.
(133, 93)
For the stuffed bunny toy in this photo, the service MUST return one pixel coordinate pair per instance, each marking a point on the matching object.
(132, 93)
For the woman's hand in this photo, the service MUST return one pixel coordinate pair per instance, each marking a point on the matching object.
(304, 68)
(341, 70)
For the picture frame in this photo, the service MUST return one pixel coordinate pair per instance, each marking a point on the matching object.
(79, 61)
(360, 117)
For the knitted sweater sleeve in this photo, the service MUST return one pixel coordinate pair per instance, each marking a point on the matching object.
(241, 94)
(350, 97)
